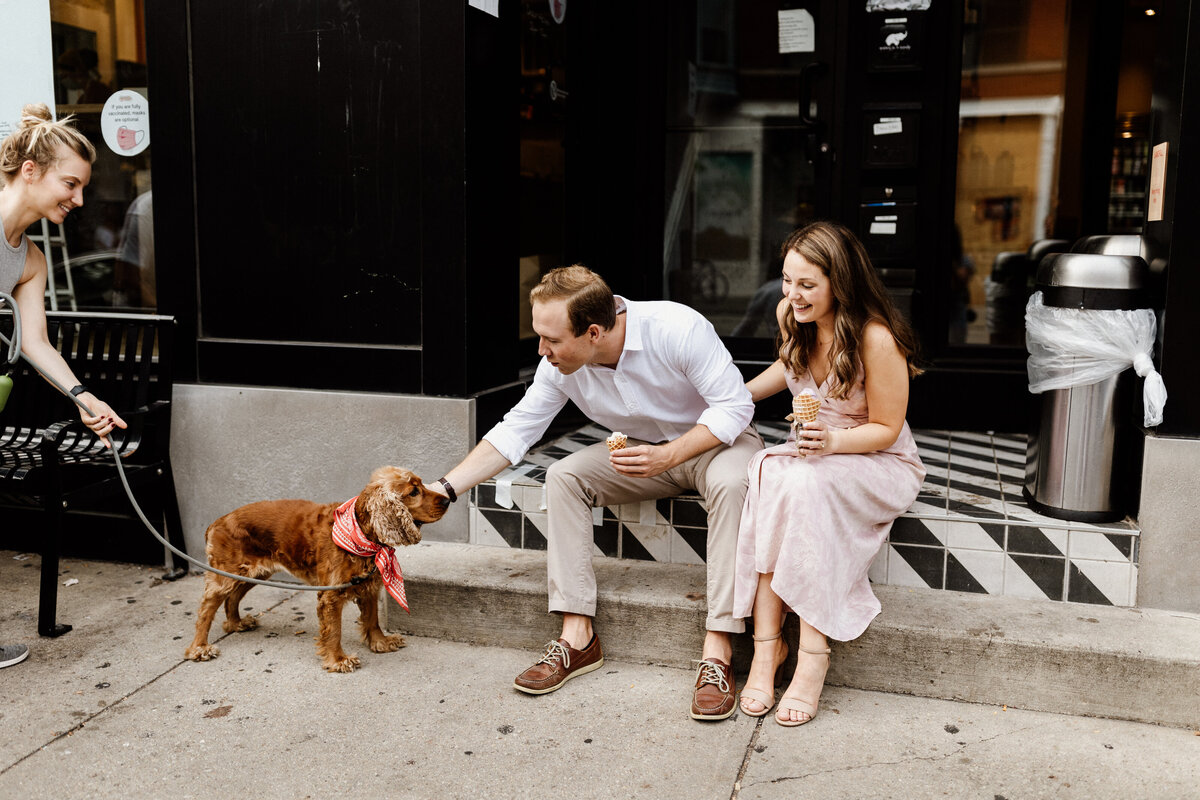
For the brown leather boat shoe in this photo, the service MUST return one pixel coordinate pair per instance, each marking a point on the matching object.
(715, 693)
(559, 664)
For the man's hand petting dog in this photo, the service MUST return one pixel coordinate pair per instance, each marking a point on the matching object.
(260, 539)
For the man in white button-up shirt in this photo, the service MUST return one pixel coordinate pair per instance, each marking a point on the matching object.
(658, 372)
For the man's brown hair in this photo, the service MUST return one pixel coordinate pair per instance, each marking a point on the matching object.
(589, 300)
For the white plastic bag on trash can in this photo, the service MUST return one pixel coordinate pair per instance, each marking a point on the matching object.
(1080, 346)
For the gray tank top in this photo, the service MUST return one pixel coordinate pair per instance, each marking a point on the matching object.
(12, 261)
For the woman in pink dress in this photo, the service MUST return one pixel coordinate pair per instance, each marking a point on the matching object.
(819, 506)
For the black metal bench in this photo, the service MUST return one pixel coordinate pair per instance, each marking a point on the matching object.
(50, 461)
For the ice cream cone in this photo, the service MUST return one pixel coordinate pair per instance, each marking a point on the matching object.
(804, 409)
(617, 441)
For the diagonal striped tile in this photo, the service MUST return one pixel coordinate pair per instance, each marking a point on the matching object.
(923, 567)
(975, 571)
(970, 527)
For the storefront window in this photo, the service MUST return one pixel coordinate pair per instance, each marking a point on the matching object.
(1026, 86)
(103, 254)
(1014, 64)
(543, 131)
(744, 160)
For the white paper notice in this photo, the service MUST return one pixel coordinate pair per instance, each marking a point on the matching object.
(1158, 178)
(488, 6)
(888, 125)
(797, 34)
(26, 60)
(884, 226)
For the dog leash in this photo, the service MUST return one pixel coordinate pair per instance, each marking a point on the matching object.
(14, 350)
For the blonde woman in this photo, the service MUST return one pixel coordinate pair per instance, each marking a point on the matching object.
(44, 166)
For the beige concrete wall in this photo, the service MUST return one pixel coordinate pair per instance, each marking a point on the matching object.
(232, 445)
(1169, 563)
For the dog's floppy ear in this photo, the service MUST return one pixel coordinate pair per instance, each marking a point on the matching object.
(387, 516)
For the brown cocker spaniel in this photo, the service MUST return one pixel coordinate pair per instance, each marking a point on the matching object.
(259, 539)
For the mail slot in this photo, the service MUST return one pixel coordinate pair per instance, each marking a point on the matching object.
(890, 138)
(887, 226)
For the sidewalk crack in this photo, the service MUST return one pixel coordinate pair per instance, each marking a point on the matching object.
(941, 757)
(750, 749)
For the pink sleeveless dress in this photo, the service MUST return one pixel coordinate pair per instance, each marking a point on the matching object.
(818, 522)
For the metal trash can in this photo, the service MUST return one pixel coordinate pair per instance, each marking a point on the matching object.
(1008, 287)
(1083, 459)
(1118, 244)
(1006, 290)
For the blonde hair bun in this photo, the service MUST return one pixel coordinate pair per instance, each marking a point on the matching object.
(35, 114)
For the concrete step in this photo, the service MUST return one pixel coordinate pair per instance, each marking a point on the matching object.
(1069, 658)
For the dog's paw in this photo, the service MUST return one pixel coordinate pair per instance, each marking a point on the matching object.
(203, 652)
(343, 664)
(387, 644)
(243, 624)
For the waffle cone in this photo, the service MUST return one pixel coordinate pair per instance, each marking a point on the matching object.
(616, 442)
(805, 408)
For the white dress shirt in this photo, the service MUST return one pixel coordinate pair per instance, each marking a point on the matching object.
(673, 373)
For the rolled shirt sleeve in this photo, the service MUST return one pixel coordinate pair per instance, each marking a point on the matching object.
(710, 368)
(528, 420)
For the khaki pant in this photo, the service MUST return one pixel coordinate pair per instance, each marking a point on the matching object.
(586, 479)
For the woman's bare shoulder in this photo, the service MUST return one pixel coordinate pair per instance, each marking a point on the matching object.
(35, 263)
(877, 338)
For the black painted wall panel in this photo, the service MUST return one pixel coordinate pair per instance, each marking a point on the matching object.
(307, 136)
(332, 368)
(1176, 238)
(486, 304)
(174, 233)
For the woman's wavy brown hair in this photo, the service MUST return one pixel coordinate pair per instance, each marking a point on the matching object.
(858, 298)
(38, 139)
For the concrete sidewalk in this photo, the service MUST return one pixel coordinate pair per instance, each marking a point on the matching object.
(111, 710)
(1068, 658)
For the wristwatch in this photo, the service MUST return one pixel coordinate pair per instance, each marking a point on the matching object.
(453, 495)
(78, 389)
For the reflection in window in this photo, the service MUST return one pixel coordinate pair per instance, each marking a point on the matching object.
(1010, 109)
(737, 176)
(103, 254)
(543, 127)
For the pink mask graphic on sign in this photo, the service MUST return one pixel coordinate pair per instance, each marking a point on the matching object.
(127, 138)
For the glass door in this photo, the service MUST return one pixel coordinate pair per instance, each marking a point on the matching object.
(102, 256)
(543, 113)
(750, 119)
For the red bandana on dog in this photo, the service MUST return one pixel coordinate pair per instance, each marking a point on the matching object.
(348, 536)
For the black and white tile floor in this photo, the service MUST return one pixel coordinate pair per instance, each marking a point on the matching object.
(969, 530)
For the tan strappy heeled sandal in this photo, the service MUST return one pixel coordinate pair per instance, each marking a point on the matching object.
(796, 704)
(767, 700)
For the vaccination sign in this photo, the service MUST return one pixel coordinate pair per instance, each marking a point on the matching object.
(125, 123)
(26, 60)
